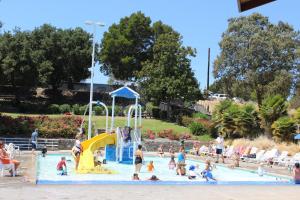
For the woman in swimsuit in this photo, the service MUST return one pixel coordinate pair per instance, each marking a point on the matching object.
(161, 151)
(138, 159)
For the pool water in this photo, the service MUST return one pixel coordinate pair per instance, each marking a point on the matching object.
(47, 174)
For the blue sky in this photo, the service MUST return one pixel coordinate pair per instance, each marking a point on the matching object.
(201, 22)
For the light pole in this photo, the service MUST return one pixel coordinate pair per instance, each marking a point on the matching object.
(94, 24)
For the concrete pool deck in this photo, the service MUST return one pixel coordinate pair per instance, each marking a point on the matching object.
(140, 192)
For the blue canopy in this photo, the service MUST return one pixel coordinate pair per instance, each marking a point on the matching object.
(297, 137)
(125, 92)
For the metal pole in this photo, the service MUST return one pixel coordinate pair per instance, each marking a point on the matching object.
(91, 87)
(135, 116)
(207, 86)
(112, 114)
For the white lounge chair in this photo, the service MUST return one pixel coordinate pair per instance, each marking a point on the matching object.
(229, 152)
(12, 149)
(281, 158)
(203, 150)
(289, 162)
(10, 166)
(270, 155)
(258, 156)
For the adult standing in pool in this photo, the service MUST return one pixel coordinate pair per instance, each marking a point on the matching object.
(220, 147)
(181, 156)
(138, 159)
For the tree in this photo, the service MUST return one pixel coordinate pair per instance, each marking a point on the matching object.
(15, 62)
(283, 129)
(76, 54)
(125, 46)
(61, 55)
(235, 120)
(260, 55)
(272, 109)
(168, 75)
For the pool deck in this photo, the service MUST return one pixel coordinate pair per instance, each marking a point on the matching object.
(24, 187)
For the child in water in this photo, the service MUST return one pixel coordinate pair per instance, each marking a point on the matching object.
(44, 150)
(153, 178)
(192, 173)
(260, 170)
(172, 163)
(206, 173)
(135, 177)
(150, 166)
(62, 167)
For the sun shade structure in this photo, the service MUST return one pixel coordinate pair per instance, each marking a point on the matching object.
(249, 4)
(125, 92)
(297, 137)
(128, 93)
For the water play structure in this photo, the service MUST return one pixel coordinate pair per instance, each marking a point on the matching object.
(120, 143)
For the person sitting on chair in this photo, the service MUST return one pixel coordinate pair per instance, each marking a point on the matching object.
(4, 158)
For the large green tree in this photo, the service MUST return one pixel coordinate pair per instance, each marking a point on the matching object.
(168, 75)
(15, 62)
(259, 55)
(125, 46)
(45, 56)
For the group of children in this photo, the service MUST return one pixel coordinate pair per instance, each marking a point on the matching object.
(180, 166)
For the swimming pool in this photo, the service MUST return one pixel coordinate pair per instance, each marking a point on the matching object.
(47, 174)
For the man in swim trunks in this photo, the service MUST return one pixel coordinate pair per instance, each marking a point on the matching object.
(220, 147)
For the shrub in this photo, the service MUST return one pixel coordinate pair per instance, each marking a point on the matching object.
(155, 112)
(186, 121)
(168, 133)
(65, 108)
(62, 127)
(99, 110)
(20, 126)
(200, 115)
(165, 133)
(173, 136)
(163, 114)
(197, 129)
(76, 109)
(53, 109)
(118, 111)
(82, 110)
(149, 134)
(284, 129)
(149, 108)
(185, 136)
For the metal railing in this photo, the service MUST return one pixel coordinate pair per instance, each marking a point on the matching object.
(25, 143)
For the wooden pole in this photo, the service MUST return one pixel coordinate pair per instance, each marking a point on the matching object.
(207, 86)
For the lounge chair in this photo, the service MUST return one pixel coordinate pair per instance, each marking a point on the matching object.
(12, 149)
(251, 154)
(281, 158)
(229, 152)
(270, 155)
(203, 150)
(10, 166)
(289, 162)
(258, 156)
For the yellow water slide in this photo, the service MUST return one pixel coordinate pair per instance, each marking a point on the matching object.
(86, 163)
